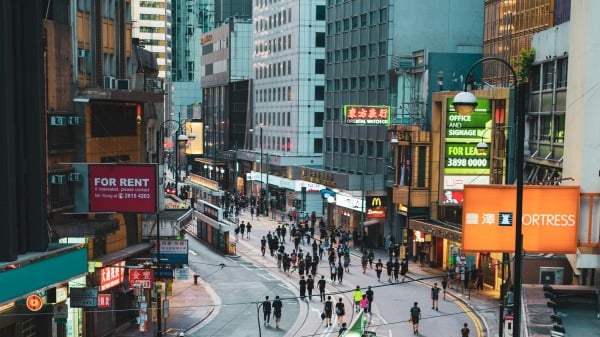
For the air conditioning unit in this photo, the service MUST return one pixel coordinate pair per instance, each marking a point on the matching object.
(109, 82)
(82, 53)
(75, 176)
(122, 84)
(551, 275)
(73, 120)
(154, 84)
(58, 120)
(58, 179)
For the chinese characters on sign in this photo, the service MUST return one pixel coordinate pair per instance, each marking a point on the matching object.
(141, 277)
(367, 115)
(104, 301)
(112, 276)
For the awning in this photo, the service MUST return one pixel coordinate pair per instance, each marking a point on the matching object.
(438, 229)
(123, 254)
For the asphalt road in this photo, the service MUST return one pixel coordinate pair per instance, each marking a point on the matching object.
(248, 278)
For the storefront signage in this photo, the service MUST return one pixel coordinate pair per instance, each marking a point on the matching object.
(104, 301)
(141, 277)
(122, 188)
(375, 207)
(83, 297)
(34, 302)
(202, 181)
(366, 115)
(549, 220)
(173, 251)
(462, 133)
(112, 276)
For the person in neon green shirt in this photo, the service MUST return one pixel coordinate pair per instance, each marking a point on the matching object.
(357, 298)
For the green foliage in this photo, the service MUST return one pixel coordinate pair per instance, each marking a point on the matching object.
(523, 64)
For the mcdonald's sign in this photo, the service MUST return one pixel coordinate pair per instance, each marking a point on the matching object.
(375, 207)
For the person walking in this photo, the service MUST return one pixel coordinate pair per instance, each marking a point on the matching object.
(263, 245)
(242, 229)
(302, 284)
(363, 261)
(321, 285)
(328, 310)
(340, 311)
(364, 303)
(444, 286)
(371, 257)
(343, 329)
(333, 269)
(248, 230)
(266, 306)
(379, 269)
(464, 332)
(404, 269)
(396, 270)
(415, 316)
(370, 297)
(277, 306)
(435, 294)
(389, 268)
(357, 298)
(310, 285)
(340, 273)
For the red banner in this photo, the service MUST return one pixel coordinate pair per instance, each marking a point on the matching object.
(142, 277)
(112, 276)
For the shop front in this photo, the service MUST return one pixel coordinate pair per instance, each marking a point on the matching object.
(435, 244)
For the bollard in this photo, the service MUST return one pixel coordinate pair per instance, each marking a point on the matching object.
(196, 278)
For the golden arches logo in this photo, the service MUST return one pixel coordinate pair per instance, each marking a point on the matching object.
(376, 202)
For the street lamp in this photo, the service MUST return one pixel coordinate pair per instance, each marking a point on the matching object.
(159, 150)
(465, 103)
(260, 198)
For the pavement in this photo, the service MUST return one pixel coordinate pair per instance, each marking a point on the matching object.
(186, 293)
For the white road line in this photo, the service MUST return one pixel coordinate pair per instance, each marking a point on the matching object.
(193, 252)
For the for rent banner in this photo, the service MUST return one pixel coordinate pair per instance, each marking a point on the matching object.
(123, 188)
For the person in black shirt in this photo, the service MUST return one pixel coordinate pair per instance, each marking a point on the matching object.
(379, 269)
(464, 332)
(370, 298)
(435, 294)
(415, 316)
(396, 270)
(321, 285)
(310, 285)
(277, 305)
(389, 266)
(328, 309)
(404, 269)
(302, 284)
(263, 245)
(266, 304)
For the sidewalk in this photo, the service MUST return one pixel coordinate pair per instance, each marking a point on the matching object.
(189, 305)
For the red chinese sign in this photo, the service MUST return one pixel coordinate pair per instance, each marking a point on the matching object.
(366, 115)
(104, 301)
(112, 276)
(142, 277)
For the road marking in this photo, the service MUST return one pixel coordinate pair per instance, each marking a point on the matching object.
(473, 317)
(193, 252)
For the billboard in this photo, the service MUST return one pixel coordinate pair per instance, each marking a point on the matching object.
(367, 114)
(122, 188)
(195, 146)
(462, 133)
(549, 220)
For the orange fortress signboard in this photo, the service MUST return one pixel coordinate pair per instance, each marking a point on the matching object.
(549, 222)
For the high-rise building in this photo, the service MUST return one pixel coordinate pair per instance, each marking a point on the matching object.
(151, 25)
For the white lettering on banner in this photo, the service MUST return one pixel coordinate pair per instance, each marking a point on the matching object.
(134, 182)
(105, 181)
(462, 132)
(552, 220)
(459, 118)
(556, 220)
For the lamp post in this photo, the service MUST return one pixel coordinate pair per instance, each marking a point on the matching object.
(464, 104)
(260, 198)
(159, 150)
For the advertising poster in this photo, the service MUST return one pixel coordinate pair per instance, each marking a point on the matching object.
(366, 115)
(122, 188)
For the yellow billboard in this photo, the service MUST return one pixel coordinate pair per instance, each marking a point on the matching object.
(196, 146)
(550, 218)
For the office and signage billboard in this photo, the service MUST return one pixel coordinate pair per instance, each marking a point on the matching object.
(462, 133)
(122, 188)
(549, 220)
(367, 114)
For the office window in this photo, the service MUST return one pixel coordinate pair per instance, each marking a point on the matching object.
(373, 50)
(383, 48)
(336, 84)
(320, 13)
(353, 53)
(345, 54)
(363, 51)
(372, 82)
(337, 56)
(353, 83)
(284, 18)
(318, 118)
(319, 39)
(352, 146)
(362, 82)
(383, 15)
(364, 20)
(287, 119)
(344, 84)
(319, 66)
(373, 17)
(336, 144)
(355, 22)
(346, 24)
(319, 93)
(344, 143)
(289, 67)
(330, 28)
(318, 145)
(381, 82)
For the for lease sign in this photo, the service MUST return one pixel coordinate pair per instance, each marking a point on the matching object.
(122, 188)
